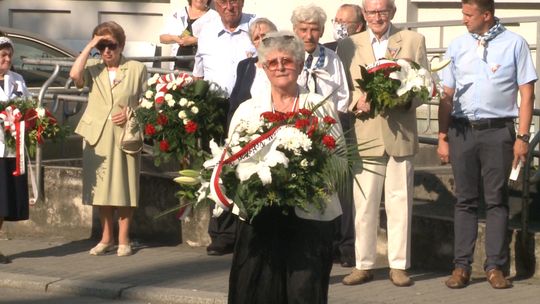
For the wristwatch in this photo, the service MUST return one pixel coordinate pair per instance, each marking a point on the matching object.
(525, 137)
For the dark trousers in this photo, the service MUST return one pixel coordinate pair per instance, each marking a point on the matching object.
(281, 259)
(344, 241)
(222, 231)
(481, 158)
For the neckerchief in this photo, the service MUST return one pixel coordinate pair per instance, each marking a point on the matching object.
(311, 72)
(483, 40)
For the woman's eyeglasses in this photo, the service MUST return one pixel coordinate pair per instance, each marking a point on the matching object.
(103, 45)
(286, 63)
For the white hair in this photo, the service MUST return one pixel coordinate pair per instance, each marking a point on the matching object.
(309, 14)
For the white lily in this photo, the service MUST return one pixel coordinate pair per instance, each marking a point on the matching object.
(216, 151)
(261, 162)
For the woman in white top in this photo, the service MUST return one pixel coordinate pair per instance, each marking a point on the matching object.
(282, 258)
(13, 189)
(182, 29)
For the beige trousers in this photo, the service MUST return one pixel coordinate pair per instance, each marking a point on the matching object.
(396, 175)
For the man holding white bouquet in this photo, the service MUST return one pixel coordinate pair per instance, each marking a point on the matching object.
(389, 138)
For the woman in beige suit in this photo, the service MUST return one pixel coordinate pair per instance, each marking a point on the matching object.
(111, 177)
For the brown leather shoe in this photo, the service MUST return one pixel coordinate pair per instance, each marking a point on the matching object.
(357, 277)
(459, 278)
(497, 280)
(4, 259)
(400, 278)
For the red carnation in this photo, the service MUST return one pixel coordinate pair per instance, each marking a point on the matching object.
(191, 127)
(329, 142)
(305, 112)
(164, 145)
(271, 116)
(149, 130)
(329, 120)
(314, 125)
(162, 119)
(301, 123)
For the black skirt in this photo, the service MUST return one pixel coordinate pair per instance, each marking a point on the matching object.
(13, 192)
(281, 259)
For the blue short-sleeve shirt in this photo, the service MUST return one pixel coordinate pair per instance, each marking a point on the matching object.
(488, 88)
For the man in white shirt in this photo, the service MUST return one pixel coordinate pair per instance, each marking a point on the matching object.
(222, 44)
(324, 74)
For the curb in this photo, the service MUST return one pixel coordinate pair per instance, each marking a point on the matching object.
(110, 290)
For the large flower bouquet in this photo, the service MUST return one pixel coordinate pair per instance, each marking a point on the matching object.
(26, 125)
(178, 115)
(285, 160)
(394, 83)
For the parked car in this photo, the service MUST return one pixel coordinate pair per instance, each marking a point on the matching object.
(32, 45)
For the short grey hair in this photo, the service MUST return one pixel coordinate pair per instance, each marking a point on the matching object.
(285, 41)
(260, 21)
(308, 14)
(391, 3)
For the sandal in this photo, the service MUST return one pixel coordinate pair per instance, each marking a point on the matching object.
(124, 250)
(101, 249)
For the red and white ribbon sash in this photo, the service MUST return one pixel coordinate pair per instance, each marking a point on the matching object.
(247, 151)
(14, 124)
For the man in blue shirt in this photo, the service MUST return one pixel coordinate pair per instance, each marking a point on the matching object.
(489, 66)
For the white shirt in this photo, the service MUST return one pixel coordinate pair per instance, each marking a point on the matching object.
(14, 86)
(220, 51)
(329, 77)
(178, 22)
(379, 46)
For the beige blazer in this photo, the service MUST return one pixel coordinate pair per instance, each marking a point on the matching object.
(395, 133)
(105, 100)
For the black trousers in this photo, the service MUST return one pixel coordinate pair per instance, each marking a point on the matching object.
(281, 259)
(481, 158)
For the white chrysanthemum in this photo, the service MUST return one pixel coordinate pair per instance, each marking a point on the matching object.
(147, 104)
(185, 121)
(168, 96)
(194, 110)
(149, 94)
(170, 85)
(182, 115)
(190, 103)
(294, 140)
(189, 79)
(183, 102)
(304, 163)
(40, 112)
(152, 80)
(171, 102)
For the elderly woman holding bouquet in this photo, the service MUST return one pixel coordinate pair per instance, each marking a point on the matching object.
(110, 176)
(283, 251)
(13, 189)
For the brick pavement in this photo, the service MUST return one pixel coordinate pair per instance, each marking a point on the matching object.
(180, 274)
